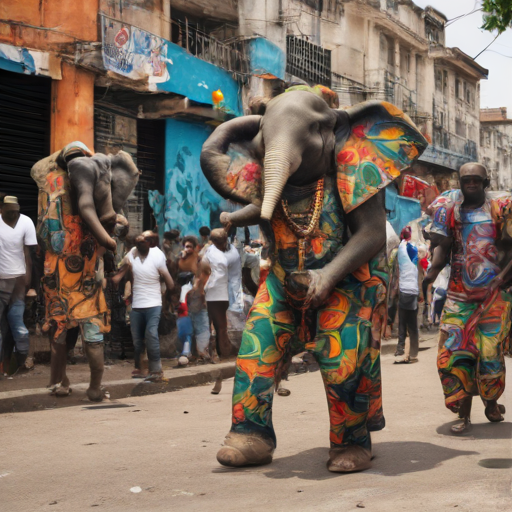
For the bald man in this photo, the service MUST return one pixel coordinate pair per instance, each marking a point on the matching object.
(467, 228)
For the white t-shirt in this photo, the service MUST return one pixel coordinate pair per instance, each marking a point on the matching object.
(146, 291)
(12, 243)
(226, 273)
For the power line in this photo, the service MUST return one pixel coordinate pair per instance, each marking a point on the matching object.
(474, 58)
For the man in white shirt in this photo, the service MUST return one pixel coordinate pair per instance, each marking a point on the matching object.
(17, 234)
(147, 265)
(222, 262)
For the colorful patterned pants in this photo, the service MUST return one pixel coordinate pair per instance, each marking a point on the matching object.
(345, 346)
(477, 368)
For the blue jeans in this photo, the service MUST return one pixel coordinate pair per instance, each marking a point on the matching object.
(144, 326)
(201, 326)
(18, 328)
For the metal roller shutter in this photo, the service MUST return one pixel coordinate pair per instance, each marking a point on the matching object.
(24, 134)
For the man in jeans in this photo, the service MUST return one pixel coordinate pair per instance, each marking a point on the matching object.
(17, 234)
(147, 265)
(407, 299)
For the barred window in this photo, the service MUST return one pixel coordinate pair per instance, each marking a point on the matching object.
(308, 61)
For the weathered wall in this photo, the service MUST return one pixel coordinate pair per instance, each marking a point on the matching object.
(72, 110)
(150, 15)
(59, 18)
(496, 152)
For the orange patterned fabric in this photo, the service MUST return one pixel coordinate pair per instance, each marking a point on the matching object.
(72, 294)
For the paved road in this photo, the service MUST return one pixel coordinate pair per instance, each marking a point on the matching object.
(76, 459)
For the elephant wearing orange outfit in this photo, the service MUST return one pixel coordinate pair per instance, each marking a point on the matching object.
(311, 176)
(81, 197)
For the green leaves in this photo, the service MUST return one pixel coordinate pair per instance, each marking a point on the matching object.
(497, 15)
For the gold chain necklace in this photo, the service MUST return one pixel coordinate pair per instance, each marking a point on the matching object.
(302, 232)
(315, 210)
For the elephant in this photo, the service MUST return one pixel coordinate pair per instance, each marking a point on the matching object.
(313, 177)
(81, 196)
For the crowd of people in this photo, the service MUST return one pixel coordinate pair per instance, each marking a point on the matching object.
(194, 281)
(453, 277)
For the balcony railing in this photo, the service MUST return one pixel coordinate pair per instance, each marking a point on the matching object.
(231, 57)
(308, 61)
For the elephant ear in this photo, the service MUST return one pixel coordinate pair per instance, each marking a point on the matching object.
(381, 142)
(229, 163)
(244, 176)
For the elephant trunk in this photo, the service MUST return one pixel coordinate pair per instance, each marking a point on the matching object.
(280, 164)
(90, 217)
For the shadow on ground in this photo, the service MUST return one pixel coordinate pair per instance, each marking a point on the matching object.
(391, 459)
(487, 430)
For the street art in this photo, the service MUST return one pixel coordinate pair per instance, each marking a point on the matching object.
(133, 52)
(189, 201)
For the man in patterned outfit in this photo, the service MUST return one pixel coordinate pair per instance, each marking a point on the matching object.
(469, 223)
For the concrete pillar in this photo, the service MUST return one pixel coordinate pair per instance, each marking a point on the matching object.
(72, 116)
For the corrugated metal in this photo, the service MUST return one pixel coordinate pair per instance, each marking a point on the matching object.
(24, 134)
(150, 153)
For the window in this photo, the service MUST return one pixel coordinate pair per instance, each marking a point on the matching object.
(458, 88)
(460, 128)
(439, 80)
(445, 81)
(308, 61)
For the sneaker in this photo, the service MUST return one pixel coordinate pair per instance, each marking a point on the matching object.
(154, 377)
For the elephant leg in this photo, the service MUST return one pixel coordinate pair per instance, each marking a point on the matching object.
(59, 382)
(93, 347)
(270, 328)
(350, 369)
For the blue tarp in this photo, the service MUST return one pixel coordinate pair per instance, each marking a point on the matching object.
(401, 210)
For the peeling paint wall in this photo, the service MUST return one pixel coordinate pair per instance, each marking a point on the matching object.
(58, 19)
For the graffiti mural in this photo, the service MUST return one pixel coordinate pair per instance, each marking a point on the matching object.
(133, 52)
(189, 201)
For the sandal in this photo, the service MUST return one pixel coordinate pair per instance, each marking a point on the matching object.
(462, 427)
(138, 374)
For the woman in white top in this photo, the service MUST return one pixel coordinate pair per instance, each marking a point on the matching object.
(222, 262)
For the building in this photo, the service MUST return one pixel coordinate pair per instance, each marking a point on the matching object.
(395, 51)
(496, 146)
(155, 78)
(150, 77)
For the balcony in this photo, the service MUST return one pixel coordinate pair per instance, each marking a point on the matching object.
(308, 61)
(231, 57)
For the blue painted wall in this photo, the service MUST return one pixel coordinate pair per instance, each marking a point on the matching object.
(189, 201)
(266, 58)
(197, 79)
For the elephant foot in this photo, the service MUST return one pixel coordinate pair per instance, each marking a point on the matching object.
(349, 458)
(60, 390)
(494, 411)
(95, 394)
(245, 450)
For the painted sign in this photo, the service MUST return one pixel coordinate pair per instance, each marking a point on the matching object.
(29, 62)
(134, 53)
(138, 54)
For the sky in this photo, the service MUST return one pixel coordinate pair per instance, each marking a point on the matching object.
(467, 35)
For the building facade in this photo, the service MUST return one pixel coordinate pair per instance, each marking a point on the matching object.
(496, 146)
(154, 77)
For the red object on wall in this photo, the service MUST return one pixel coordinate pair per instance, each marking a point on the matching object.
(415, 187)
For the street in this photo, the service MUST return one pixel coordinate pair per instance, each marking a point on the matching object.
(164, 447)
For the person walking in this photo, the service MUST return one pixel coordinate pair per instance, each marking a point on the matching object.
(407, 299)
(469, 227)
(148, 265)
(222, 263)
(17, 235)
